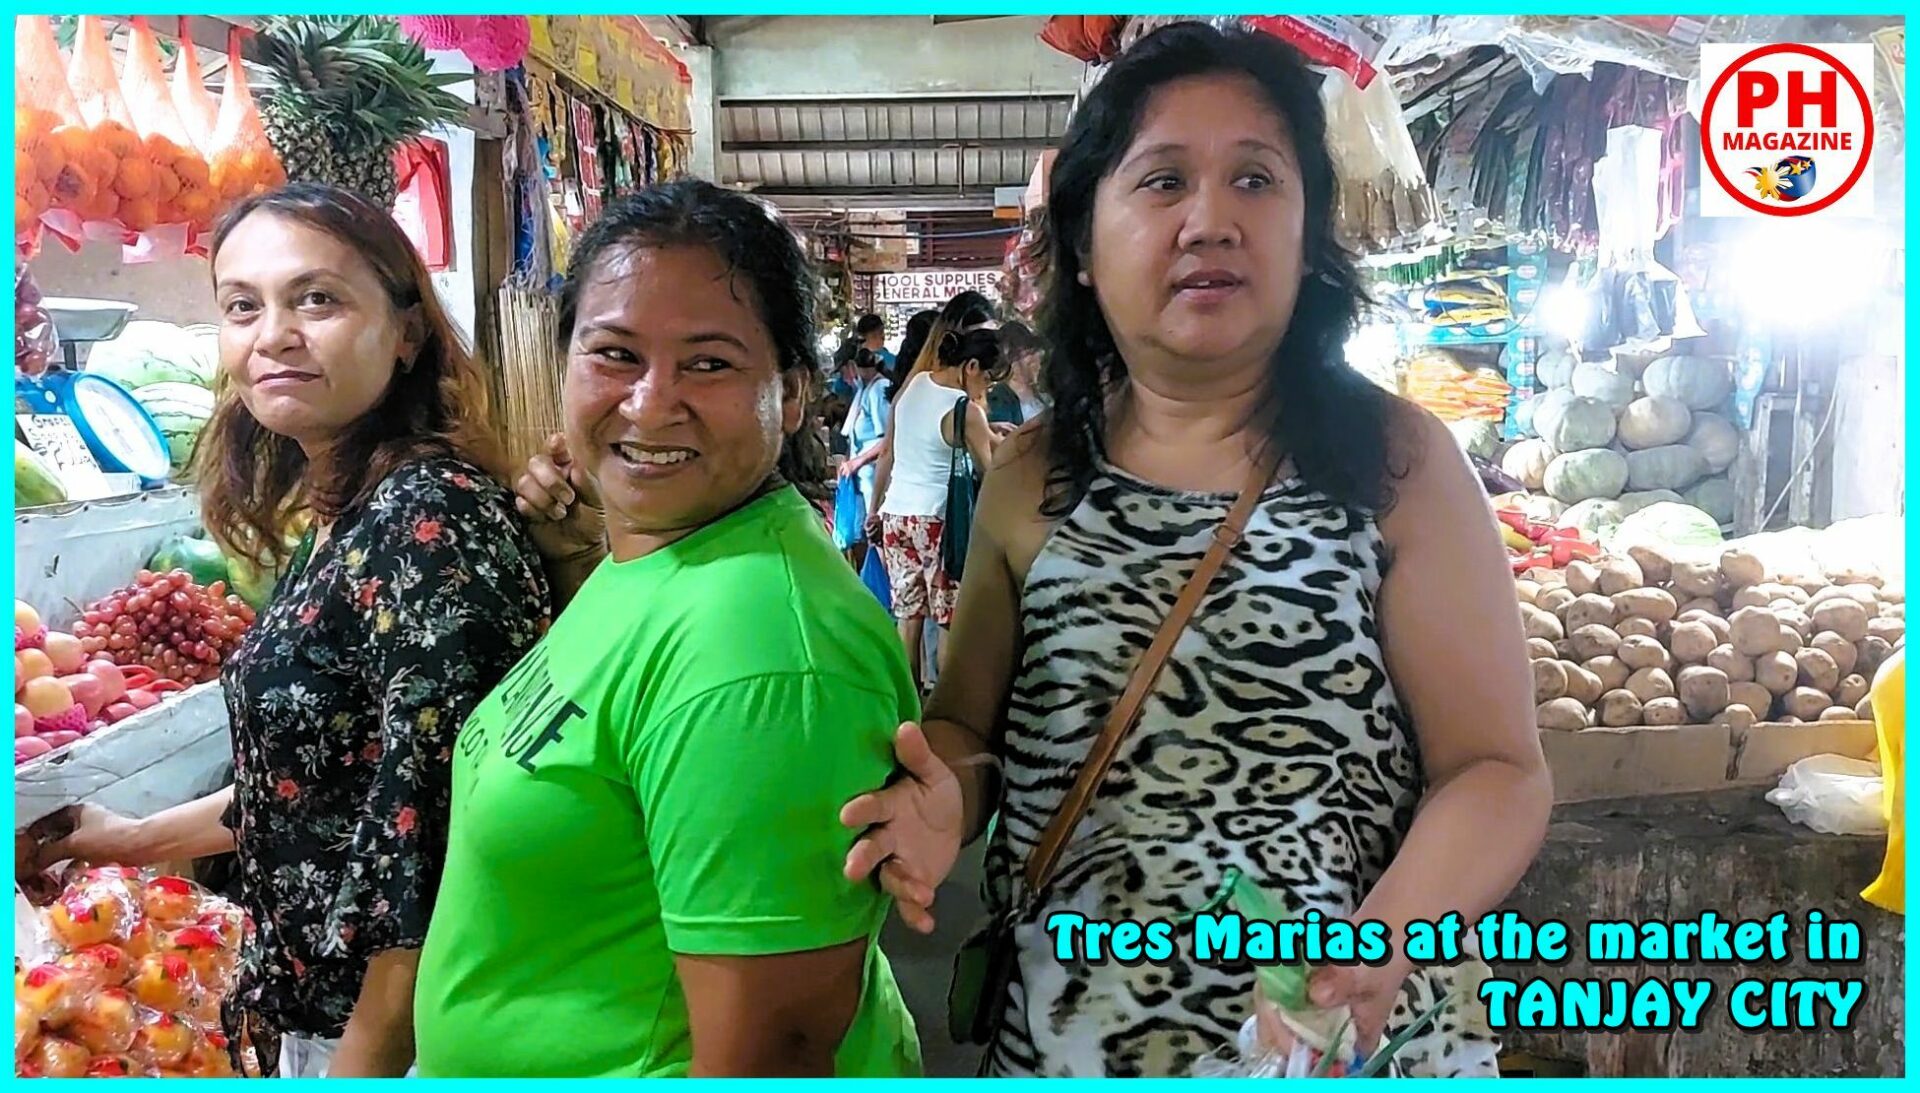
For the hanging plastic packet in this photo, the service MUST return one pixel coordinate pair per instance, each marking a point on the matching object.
(242, 160)
(96, 87)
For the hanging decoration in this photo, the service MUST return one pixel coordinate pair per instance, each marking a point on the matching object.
(439, 31)
(617, 57)
(496, 43)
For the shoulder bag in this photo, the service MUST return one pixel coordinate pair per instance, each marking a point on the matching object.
(984, 968)
(963, 490)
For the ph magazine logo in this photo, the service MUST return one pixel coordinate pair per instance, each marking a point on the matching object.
(1787, 130)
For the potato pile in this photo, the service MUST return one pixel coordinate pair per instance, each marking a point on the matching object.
(1643, 639)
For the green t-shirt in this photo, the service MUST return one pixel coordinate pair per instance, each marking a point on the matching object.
(664, 774)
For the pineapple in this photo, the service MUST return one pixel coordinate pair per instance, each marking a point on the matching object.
(344, 92)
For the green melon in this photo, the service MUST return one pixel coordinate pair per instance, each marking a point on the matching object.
(250, 582)
(149, 351)
(181, 410)
(200, 558)
(34, 482)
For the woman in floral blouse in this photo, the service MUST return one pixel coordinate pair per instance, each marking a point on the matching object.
(416, 590)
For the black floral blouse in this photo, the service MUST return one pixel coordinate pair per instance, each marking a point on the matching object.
(344, 698)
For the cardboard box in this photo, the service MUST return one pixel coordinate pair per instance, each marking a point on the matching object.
(1604, 764)
(1601, 764)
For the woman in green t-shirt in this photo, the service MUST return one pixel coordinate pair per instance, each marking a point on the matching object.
(640, 873)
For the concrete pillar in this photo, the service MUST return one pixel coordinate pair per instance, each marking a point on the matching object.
(705, 110)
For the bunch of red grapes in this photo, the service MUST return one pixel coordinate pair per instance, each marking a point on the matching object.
(181, 630)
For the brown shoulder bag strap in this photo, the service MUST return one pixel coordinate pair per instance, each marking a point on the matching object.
(1046, 853)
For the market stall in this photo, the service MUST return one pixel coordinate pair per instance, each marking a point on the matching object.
(598, 110)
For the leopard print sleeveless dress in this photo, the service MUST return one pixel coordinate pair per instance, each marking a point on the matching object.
(1273, 742)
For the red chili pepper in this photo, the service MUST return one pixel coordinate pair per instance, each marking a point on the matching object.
(166, 686)
(1516, 520)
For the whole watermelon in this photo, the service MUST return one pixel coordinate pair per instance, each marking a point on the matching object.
(181, 410)
(200, 558)
(149, 352)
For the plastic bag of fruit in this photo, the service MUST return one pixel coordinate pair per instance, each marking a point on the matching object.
(141, 964)
(198, 109)
(34, 343)
(176, 194)
(242, 158)
(55, 167)
(110, 130)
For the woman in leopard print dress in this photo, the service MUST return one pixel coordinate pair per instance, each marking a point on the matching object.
(1348, 718)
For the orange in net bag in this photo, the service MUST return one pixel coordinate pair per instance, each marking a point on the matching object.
(242, 159)
(175, 175)
(55, 165)
(109, 126)
(179, 199)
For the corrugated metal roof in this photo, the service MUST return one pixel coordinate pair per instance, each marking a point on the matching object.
(901, 146)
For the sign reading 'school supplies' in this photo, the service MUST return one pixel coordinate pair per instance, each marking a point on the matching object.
(934, 287)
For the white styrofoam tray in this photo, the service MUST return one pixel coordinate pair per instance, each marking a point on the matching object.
(169, 754)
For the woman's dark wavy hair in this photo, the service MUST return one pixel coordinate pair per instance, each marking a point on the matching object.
(1328, 418)
(756, 247)
(254, 482)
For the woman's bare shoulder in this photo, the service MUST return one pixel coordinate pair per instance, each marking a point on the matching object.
(1013, 493)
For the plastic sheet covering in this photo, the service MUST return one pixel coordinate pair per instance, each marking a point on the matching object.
(1555, 45)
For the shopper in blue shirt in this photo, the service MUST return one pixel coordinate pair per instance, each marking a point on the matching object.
(871, 333)
(866, 424)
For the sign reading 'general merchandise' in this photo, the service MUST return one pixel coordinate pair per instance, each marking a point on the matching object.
(933, 287)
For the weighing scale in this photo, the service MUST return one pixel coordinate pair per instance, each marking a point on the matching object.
(119, 432)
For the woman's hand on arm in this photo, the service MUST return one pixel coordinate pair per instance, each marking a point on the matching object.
(378, 1040)
(556, 498)
(1457, 657)
(779, 1016)
(98, 835)
(915, 826)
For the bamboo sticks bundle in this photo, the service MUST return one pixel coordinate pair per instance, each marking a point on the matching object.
(530, 372)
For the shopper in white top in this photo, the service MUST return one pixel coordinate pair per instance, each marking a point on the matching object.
(914, 475)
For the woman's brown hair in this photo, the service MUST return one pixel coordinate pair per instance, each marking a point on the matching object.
(253, 482)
